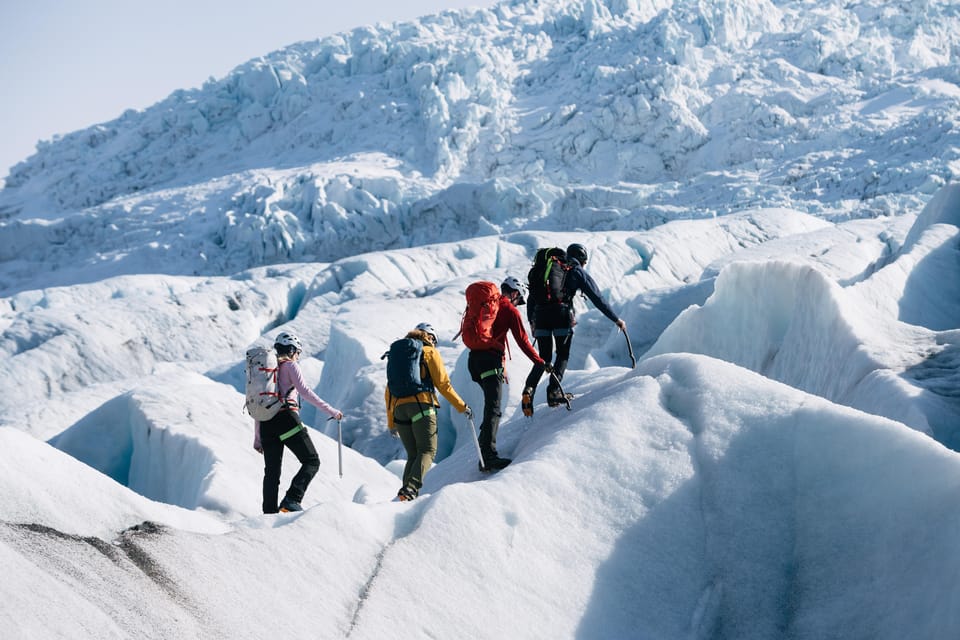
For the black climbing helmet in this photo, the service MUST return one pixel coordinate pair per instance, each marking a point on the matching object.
(578, 252)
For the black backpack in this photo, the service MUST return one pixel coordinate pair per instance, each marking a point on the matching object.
(547, 276)
(404, 360)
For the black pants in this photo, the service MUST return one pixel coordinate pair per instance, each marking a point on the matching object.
(286, 425)
(552, 322)
(545, 349)
(486, 369)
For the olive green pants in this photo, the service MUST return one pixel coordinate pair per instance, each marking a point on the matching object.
(417, 426)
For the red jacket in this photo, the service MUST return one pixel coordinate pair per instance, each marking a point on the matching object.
(509, 320)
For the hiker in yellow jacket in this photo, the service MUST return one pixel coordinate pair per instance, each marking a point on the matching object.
(414, 417)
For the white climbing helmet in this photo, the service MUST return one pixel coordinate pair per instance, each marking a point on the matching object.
(289, 340)
(513, 284)
(427, 328)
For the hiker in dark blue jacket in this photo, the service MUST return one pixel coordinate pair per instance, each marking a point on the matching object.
(554, 321)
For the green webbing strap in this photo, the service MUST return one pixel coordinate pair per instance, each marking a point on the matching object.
(423, 414)
(492, 372)
(292, 432)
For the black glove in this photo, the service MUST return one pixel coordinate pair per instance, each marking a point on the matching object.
(548, 367)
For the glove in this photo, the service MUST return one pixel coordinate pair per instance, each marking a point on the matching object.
(394, 433)
(257, 445)
(548, 368)
(468, 412)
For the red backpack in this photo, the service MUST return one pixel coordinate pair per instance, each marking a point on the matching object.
(483, 303)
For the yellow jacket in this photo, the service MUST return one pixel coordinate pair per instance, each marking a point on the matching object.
(438, 374)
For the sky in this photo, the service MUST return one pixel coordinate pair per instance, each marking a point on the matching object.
(782, 461)
(69, 65)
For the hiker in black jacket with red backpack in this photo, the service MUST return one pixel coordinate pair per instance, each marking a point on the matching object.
(488, 353)
(552, 316)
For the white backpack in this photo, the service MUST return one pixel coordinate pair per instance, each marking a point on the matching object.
(264, 399)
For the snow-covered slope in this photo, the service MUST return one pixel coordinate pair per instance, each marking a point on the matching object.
(689, 498)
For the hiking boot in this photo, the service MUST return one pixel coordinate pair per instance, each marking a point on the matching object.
(405, 495)
(286, 506)
(494, 463)
(555, 398)
(526, 402)
(498, 463)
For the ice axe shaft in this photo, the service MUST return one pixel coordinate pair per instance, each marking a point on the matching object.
(476, 443)
(339, 445)
(566, 399)
(633, 360)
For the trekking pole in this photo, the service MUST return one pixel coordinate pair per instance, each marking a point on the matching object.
(633, 360)
(566, 398)
(340, 448)
(476, 443)
(339, 445)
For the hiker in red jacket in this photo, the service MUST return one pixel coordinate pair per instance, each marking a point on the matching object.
(487, 367)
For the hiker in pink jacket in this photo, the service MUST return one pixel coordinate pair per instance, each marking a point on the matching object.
(286, 429)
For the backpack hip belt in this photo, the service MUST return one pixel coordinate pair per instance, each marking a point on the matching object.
(492, 372)
(291, 433)
(423, 414)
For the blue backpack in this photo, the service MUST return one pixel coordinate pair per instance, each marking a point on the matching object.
(404, 360)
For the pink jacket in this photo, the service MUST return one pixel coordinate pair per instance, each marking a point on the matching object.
(290, 379)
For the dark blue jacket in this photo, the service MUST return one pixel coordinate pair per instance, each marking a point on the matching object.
(580, 280)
